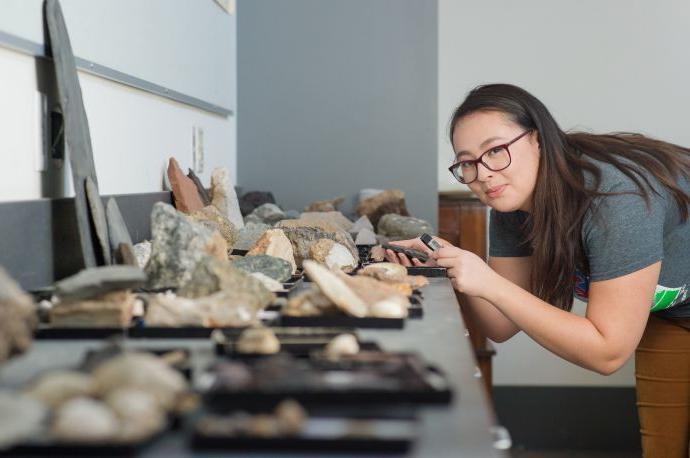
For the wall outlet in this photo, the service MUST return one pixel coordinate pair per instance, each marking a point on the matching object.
(198, 149)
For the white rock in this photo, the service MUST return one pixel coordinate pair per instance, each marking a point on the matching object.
(224, 197)
(59, 386)
(85, 420)
(342, 344)
(27, 416)
(335, 289)
(270, 283)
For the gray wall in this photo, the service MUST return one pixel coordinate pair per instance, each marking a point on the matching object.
(336, 96)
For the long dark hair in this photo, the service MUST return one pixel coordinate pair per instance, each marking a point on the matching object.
(561, 197)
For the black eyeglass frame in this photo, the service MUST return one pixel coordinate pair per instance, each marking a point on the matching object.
(480, 160)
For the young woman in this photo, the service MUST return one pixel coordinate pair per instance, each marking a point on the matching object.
(598, 217)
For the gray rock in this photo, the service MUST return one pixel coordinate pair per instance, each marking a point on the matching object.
(271, 266)
(365, 237)
(366, 193)
(302, 238)
(203, 193)
(269, 213)
(212, 275)
(99, 280)
(362, 223)
(117, 229)
(249, 201)
(292, 214)
(142, 251)
(397, 227)
(17, 317)
(249, 235)
(177, 245)
(212, 218)
(253, 219)
(98, 219)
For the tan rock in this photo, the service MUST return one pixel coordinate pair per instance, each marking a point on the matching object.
(258, 340)
(217, 247)
(309, 302)
(274, 242)
(373, 291)
(324, 205)
(213, 219)
(331, 218)
(334, 288)
(333, 254)
(108, 310)
(389, 201)
(185, 193)
(17, 317)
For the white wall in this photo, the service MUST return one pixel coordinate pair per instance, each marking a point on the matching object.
(615, 65)
(133, 132)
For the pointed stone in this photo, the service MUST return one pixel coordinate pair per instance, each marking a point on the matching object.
(203, 193)
(362, 223)
(365, 237)
(212, 218)
(185, 194)
(274, 242)
(117, 229)
(335, 289)
(224, 197)
(99, 220)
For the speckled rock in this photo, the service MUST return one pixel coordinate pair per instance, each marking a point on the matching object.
(389, 201)
(212, 275)
(274, 243)
(362, 223)
(249, 235)
(142, 251)
(335, 218)
(271, 266)
(366, 237)
(17, 317)
(324, 205)
(96, 281)
(177, 245)
(224, 197)
(397, 227)
(211, 217)
(302, 238)
(333, 254)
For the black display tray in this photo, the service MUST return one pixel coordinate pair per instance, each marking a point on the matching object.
(134, 332)
(325, 434)
(398, 378)
(59, 449)
(342, 320)
(428, 271)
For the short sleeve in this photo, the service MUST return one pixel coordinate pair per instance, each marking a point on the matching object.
(506, 234)
(622, 233)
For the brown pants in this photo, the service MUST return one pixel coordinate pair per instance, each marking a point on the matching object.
(662, 372)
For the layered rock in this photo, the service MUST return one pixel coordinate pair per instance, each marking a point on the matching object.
(113, 309)
(334, 219)
(334, 288)
(333, 254)
(302, 238)
(97, 281)
(212, 218)
(220, 309)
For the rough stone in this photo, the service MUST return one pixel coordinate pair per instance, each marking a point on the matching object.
(213, 219)
(389, 201)
(335, 289)
(249, 235)
(333, 217)
(309, 301)
(302, 238)
(342, 345)
(249, 201)
(258, 340)
(224, 197)
(178, 245)
(142, 251)
(268, 213)
(253, 219)
(220, 309)
(113, 309)
(28, 417)
(271, 266)
(17, 317)
(292, 214)
(383, 300)
(397, 227)
(333, 254)
(366, 193)
(275, 243)
(269, 283)
(203, 193)
(365, 237)
(324, 205)
(211, 275)
(98, 218)
(96, 281)
(117, 229)
(185, 193)
(362, 223)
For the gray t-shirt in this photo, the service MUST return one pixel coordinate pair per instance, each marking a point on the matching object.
(620, 235)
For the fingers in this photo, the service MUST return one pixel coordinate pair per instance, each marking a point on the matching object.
(404, 260)
(417, 262)
(391, 256)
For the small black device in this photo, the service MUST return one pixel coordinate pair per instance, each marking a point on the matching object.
(430, 242)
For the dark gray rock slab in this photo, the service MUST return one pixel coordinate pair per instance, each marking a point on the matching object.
(96, 281)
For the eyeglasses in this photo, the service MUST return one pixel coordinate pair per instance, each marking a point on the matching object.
(495, 159)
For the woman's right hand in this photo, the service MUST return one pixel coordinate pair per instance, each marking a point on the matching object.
(416, 244)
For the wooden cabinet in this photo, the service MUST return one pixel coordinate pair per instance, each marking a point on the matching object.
(463, 220)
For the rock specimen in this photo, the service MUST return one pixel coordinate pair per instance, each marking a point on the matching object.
(249, 235)
(397, 227)
(335, 289)
(342, 345)
(275, 243)
(178, 245)
(117, 231)
(309, 301)
(142, 251)
(56, 387)
(268, 214)
(302, 238)
(377, 253)
(97, 281)
(324, 205)
(389, 201)
(333, 254)
(98, 220)
(276, 268)
(212, 275)
(27, 417)
(253, 199)
(213, 219)
(85, 420)
(17, 317)
(221, 309)
(269, 283)
(203, 193)
(395, 275)
(185, 193)
(138, 413)
(384, 301)
(292, 214)
(224, 197)
(409, 252)
(334, 218)
(109, 310)
(258, 340)
(362, 223)
(365, 237)
(288, 419)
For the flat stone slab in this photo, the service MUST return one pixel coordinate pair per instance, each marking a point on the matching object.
(99, 280)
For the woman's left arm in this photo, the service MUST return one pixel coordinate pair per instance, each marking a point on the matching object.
(601, 341)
